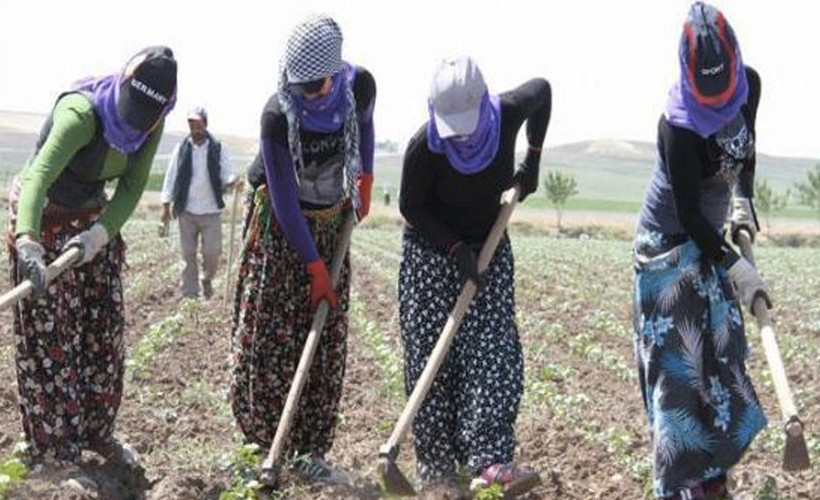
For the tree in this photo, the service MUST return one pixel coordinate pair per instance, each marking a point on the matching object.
(559, 188)
(809, 191)
(768, 202)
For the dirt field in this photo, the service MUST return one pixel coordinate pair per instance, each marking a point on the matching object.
(581, 424)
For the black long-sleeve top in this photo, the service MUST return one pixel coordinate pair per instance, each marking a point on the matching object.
(688, 173)
(445, 206)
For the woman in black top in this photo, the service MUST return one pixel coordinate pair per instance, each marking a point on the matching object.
(455, 169)
(689, 335)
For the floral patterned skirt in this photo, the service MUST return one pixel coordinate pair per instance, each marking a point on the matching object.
(691, 348)
(468, 417)
(69, 348)
(272, 319)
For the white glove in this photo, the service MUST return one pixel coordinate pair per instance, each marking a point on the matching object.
(90, 242)
(748, 284)
(30, 263)
(743, 217)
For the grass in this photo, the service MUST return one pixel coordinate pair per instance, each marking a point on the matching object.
(538, 200)
(492, 492)
(388, 360)
(158, 336)
(244, 469)
(12, 473)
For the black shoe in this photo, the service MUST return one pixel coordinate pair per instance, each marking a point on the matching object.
(316, 470)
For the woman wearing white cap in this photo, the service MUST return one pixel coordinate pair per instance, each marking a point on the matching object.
(455, 169)
(68, 337)
(317, 151)
(690, 284)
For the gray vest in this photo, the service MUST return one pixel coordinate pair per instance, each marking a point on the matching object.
(81, 182)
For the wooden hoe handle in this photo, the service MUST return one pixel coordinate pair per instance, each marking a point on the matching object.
(767, 338)
(24, 289)
(270, 465)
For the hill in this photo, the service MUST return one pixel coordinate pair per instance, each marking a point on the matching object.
(19, 132)
(612, 170)
(620, 170)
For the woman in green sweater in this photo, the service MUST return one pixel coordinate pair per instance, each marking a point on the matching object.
(68, 336)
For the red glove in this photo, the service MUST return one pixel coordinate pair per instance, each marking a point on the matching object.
(321, 286)
(365, 184)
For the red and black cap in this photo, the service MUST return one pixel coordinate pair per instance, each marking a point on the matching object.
(147, 87)
(709, 49)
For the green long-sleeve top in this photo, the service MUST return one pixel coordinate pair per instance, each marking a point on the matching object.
(74, 126)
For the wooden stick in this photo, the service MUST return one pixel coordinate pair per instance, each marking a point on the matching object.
(767, 338)
(228, 273)
(270, 465)
(24, 289)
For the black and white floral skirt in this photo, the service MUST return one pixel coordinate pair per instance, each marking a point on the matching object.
(468, 418)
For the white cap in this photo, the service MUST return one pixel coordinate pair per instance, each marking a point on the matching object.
(455, 94)
(199, 114)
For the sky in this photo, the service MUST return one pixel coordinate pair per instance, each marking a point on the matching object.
(610, 63)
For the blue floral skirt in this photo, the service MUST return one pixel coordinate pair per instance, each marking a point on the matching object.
(691, 349)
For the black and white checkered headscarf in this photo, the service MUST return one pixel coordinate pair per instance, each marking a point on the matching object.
(314, 51)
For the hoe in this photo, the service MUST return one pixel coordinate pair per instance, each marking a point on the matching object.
(795, 455)
(272, 464)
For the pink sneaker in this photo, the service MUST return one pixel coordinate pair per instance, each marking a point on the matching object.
(515, 481)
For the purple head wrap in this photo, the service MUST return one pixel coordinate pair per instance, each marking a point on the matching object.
(104, 94)
(472, 154)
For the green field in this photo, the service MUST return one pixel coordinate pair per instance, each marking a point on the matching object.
(611, 175)
(612, 184)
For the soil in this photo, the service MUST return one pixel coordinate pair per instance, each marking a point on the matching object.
(175, 412)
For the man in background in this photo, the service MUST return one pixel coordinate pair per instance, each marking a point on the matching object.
(198, 172)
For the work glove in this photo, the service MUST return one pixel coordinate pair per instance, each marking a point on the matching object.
(526, 175)
(748, 284)
(467, 263)
(744, 217)
(365, 185)
(90, 242)
(30, 263)
(321, 285)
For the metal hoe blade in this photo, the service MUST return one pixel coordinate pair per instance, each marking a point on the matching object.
(393, 480)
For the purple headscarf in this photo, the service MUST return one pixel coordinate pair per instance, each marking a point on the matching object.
(473, 154)
(104, 94)
(683, 110)
(327, 113)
